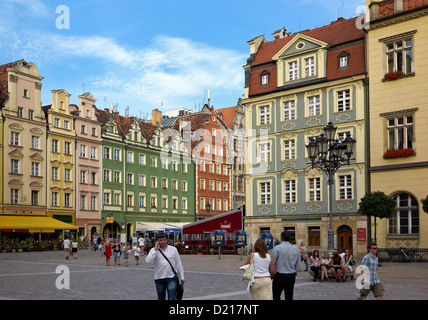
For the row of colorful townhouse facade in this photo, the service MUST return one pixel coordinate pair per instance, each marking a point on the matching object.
(103, 172)
(339, 73)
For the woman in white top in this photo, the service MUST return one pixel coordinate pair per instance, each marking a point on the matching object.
(264, 270)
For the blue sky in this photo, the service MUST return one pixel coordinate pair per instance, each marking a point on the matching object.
(151, 54)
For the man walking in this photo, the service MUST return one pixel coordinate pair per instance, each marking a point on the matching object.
(371, 262)
(67, 243)
(286, 258)
(165, 279)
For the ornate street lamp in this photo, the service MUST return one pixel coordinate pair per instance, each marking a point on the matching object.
(328, 154)
(208, 207)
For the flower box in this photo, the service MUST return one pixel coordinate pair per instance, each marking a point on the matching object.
(398, 153)
(393, 75)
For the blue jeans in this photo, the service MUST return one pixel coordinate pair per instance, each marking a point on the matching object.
(166, 285)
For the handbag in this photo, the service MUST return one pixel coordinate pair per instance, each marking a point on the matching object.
(248, 274)
(180, 288)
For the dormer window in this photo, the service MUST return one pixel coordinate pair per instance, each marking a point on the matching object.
(264, 78)
(343, 60)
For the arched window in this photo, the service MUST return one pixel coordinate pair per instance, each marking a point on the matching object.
(405, 220)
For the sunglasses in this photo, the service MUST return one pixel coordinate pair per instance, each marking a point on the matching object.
(374, 248)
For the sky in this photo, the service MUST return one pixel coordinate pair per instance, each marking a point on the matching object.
(147, 54)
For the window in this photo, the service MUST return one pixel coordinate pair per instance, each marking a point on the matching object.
(183, 185)
(30, 114)
(142, 201)
(54, 199)
(399, 55)
(35, 168)
(55, 146)
(309, 67)
(93, 203)
(142, 159)
(264, 152)
(67, 148)
(106, 175)
(55, 173)
(184, 204)
(66, 124)
(116, 199)
(345, 187)
(14, 196)
(153, 182)
(67, 174)
(116, 176)
(142, 180)
(265, 193)
(164, 183)
(405, 220)
(93, 178)
(94, 132)
(314, 106)
(289, 110)
(82, 176)
(130, 200)
(83, 129)
(202, 204)
(14, 138)
(290, 191)
(129, 157)
(400, 132)
(292, 70)
(106, 153)
(153, 201)
(264, 115)
(343, 100)
(34, 198)
(343, 62)
(56, 122)
(82, 151)
(19, 113)
(35, 142)
(67, 202)
(130, 179)
(264, 78)
(82, 202)
(106, 198)
(26, 93)
(153, 162)
(314, 189)
(289, 149)
(14, 166)
(225, 205)
(116, 154)
(93, 153)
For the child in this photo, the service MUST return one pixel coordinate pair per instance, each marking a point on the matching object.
(137, 252)
(126, 253)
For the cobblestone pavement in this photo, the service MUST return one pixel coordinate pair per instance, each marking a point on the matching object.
(33, 276)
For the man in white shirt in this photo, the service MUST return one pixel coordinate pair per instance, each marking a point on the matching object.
(164, 277)
(67, 247)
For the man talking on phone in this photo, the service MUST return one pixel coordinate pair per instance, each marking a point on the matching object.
(165, 279)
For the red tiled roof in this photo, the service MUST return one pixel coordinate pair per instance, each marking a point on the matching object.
(228, 115)
(337, 32)
(356, 62)
(3, 82)
(341, 32)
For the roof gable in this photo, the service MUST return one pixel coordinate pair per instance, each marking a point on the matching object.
(300, 44)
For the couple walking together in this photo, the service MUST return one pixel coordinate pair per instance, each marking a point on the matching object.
(282, 266)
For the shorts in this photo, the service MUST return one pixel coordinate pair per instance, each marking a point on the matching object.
(73, 250)
(377, 290)
(325, 265)
(116, 254)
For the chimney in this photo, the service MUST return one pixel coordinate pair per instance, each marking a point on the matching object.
(156, 117)
(279, 34)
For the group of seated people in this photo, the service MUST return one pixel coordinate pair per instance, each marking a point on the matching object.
(337, 264)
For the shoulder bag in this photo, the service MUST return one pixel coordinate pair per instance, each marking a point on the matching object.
(180, 288)
(248, 274)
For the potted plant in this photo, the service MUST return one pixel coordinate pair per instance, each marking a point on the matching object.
(8, 247)
(19, 247)
(398, 153)
(393, 75)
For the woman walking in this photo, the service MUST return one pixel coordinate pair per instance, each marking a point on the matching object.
(107, 252)
(264, 270)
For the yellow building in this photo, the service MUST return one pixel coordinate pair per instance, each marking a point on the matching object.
(397, 61)
(61, 152)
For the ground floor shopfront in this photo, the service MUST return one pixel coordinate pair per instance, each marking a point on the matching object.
(350, 231)
(408, 226)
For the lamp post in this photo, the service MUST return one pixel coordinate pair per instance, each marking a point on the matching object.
(329, 154)
(208, 208)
